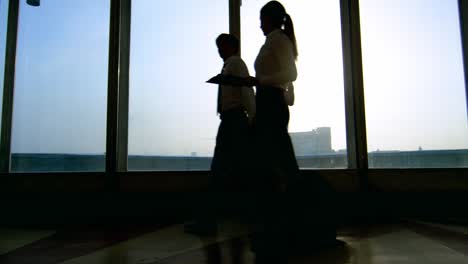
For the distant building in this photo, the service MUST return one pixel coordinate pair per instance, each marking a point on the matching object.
(317, 141)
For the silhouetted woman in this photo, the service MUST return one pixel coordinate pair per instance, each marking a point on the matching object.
(275, 70)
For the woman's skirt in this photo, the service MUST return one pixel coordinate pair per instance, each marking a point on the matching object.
(274, 152)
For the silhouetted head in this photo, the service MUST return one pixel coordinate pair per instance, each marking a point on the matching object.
(228, 45)
(273, 16)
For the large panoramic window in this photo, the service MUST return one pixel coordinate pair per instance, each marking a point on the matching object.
(59, 115)
(317, 125)
(172, 116)
(414, 84)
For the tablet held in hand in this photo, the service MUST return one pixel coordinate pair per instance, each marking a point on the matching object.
(228, 80)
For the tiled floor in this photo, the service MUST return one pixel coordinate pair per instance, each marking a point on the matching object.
(405, 242)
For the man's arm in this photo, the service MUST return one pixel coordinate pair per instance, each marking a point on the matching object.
(238, 68)
(248, 100)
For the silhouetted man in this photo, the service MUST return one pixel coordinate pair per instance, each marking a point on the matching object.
(236, 108)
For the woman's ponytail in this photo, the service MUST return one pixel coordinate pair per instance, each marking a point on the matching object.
(289, 31)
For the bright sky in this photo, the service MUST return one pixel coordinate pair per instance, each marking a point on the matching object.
(413, 72)
(414, 84)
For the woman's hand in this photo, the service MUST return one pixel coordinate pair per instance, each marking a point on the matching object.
(252, 81)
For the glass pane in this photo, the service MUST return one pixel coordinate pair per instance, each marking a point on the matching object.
(317, 124)
(172, 116)
(414, 84)
(59, 118)
(3, 33)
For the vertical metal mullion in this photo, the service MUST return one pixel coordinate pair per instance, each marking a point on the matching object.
(354, 89)
(124, 67)
(234, 19)
(9, 85)
(112, 94)
(463, 13)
